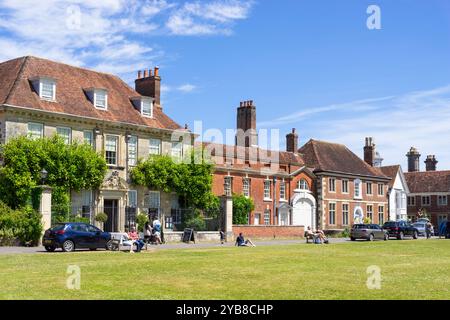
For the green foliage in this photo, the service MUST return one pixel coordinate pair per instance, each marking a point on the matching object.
(242, 206)
(23, 224)
(70, 167)
(61, 218)
(191, 179)
(141, 219)
(367, 220)
(345, 233)
(101, 217)
(194, 219)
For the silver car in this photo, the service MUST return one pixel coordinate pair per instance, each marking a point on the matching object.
(421, 227)
(368, 232)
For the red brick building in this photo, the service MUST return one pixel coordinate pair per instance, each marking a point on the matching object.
(348, 189)
(429, 190)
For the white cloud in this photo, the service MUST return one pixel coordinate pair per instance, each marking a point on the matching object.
(109, 35)
(186, 88)
(419, 119)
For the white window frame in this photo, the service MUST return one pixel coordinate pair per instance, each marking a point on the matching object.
(369, 213)
(177, 154)
(129, 204)
(358, 187)
(345, 183)
(330, 211)
(345, 214)
(411, 201)
(332, 185)
(380, 214)
(380, 189)
(132, 156)
(149, 197)
(442, 203)
(33, 136)
(116, 137)
(369, 188)
(302, 184)
(148, 114)
(70, 134)
(50, 82)
(246, 187)
(267, 217)
(96, 105)
(267, 190)
(429, 201)
(91, 133)
(282, 191)
(152, 149)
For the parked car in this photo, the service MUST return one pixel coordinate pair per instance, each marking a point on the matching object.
(400, 229)
(421, 227)
(71, 236)
(368, 232)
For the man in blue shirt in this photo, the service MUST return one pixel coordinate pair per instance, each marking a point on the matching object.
(241, 242)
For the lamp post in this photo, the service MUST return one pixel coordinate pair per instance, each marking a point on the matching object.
(274, 198)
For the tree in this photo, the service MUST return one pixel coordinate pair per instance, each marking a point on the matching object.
(242, 206)
(73, 166)
(191, 180)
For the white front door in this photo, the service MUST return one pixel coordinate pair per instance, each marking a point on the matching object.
(284, 217)
(257, 217)
(302, 213)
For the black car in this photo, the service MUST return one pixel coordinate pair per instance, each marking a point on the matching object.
(71, 236)
(400, 229)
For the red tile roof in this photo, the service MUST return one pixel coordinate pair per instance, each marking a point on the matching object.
(428, 181)
(16, 90)
(333, 157)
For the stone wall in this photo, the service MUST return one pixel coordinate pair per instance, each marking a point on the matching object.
(269, 231)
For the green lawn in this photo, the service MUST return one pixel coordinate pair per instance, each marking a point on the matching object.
(410, 270)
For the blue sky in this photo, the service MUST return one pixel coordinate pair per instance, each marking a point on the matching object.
(309, 64)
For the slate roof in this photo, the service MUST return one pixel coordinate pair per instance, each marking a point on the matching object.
(71, 82)
(428, 181)
(337, 158)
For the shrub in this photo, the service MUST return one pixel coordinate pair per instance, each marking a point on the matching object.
(23, 224)
(242, 206)
(193, 219)
(101, 217)
(62, 218)
(345, 233)
(141, 219)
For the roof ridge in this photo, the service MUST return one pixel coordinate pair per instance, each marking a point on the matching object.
(16, 81)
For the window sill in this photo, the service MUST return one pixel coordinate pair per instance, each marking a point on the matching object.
(267, 199)
(283, 200)
(113, 167)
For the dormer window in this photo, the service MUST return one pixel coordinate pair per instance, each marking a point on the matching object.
(45, 87)
(98, 97)
(144, 105)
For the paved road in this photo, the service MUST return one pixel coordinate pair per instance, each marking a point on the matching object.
(24, 250)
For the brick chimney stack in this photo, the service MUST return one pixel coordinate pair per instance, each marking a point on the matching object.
(149, 85)
(292, 141)
(246, 124)
(431, 163)
(369, 151)
(413, 160)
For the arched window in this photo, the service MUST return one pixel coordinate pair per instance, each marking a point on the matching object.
(302, 185)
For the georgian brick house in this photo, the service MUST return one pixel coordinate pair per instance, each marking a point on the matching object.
(429, 190)
(40, 98)
(348, 189)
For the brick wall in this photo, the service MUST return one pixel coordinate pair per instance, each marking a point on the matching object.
(434, 210)
(269, 231)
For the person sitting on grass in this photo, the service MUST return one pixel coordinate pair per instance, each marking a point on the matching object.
(321, 235)
(241, 242)
(134, 237)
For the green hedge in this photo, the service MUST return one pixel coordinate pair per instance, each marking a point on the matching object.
(23, 225)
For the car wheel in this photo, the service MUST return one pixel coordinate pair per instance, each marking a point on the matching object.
(352, 239)
(109, 245)
(415, 235)
(50, 248)
(68, 246)
(370, 237)
(401, 236)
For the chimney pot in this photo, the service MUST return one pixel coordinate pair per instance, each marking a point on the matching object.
(149, 72)
(145, 73)
(139, 75)
(156, 71)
